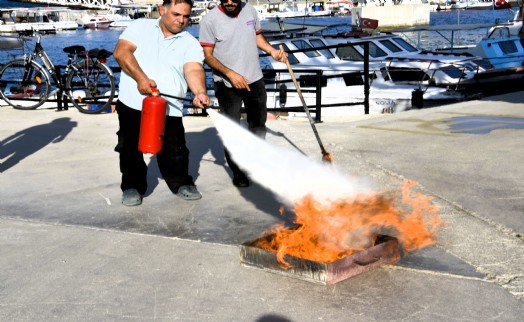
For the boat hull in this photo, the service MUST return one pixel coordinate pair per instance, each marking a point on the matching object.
(101, 25)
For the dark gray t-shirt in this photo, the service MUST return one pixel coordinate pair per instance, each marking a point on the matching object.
(234, 41)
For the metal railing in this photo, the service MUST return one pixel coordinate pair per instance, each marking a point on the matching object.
(312, 76)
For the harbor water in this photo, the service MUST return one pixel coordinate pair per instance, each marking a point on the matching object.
(106, 39)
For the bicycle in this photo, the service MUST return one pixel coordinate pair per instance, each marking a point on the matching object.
(87, 82)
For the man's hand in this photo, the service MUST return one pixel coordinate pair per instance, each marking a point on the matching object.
(279, 55)
(144, 86)
(201, 100)
(238, 81)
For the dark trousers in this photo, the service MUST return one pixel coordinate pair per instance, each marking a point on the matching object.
(173, 160)
(255, 104)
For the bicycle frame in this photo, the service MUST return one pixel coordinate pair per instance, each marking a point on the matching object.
(40, 52)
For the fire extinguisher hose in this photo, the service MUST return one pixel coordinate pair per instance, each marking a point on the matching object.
(176, 97)
(184, 99)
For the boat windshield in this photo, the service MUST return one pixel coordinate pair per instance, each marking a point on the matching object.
(302, 44)
(325, 52)
(374, 50)
(349, 53)
(452, 71)
(390, 46)
(500, 32)
(404, 44)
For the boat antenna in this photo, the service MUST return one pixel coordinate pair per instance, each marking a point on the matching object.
(356, 22)
(281, 25)
(305, 14)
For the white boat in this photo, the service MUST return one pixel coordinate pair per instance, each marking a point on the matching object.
(120, 23)
(201, 8)
(502, 56)
(407, 64)
(342, 82)
(130, 11)
(122, 15)
(441, 5)
(97, 22)
(463, 4)
(472, 4)
(501, 52)
(317, 9)
(291, 9)
(385, 3)
(479, 5)
(118, 16)
(43, 19)
(340, 7)
(511, 28)
(502, 48)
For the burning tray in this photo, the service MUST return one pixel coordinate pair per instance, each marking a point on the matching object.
(385, 251)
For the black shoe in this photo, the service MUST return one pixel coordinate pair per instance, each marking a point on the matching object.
(240, 180)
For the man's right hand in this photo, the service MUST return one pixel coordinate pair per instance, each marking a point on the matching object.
(144, 86)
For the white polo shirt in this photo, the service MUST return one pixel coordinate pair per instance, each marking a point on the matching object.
(162, 59)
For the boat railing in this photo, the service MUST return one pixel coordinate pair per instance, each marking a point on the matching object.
(311, 81)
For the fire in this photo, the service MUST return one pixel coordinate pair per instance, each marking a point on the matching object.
(327, 233)
(326, 157)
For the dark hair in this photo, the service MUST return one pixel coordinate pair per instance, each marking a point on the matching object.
(167, 3)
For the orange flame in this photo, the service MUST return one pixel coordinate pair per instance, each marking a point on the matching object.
(327, 233)
(326, 157)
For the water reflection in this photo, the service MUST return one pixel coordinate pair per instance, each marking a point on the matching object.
(481, 124)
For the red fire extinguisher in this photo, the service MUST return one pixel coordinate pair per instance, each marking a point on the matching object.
(152, 123)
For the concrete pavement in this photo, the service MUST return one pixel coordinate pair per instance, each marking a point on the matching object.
(70, 251)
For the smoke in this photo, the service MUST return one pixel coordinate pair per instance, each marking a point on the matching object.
(287, 173)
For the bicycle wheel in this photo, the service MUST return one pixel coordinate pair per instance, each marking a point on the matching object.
(91, 86)
(24, 86)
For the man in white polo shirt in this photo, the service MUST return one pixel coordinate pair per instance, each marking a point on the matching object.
(231, 35)
(158, 53)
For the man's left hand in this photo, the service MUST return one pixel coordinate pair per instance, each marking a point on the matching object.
(201, 100)
(279, 55)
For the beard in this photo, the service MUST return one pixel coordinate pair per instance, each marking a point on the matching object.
(228, 9)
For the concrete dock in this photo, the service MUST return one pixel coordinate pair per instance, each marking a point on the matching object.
(70, 251)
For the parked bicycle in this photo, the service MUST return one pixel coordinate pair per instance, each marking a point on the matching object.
(87, 82)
